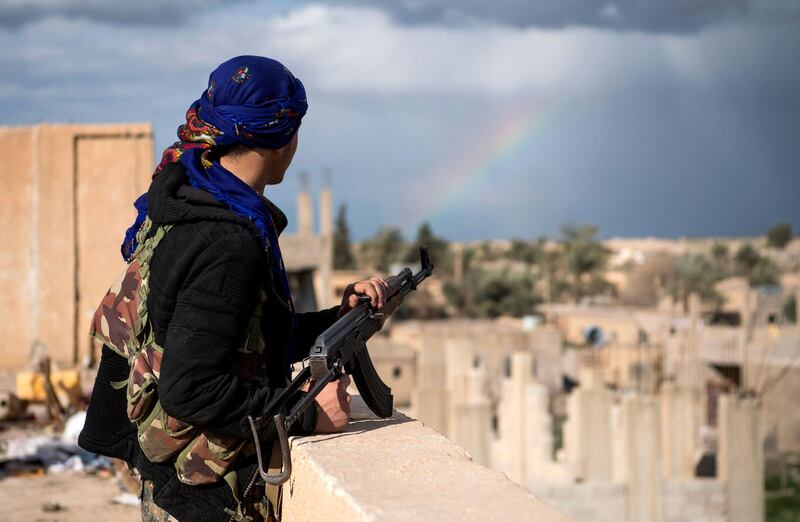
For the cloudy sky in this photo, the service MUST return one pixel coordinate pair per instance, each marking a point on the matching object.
(489, 119)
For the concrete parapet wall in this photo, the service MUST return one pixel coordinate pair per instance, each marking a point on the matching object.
(398, 469)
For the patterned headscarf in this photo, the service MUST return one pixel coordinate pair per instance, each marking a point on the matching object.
(251, 101)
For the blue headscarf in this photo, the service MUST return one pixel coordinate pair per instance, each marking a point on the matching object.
(251, 101)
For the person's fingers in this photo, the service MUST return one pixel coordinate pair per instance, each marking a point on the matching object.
(376, 289)
(343, 396)
(380, 287)
(369, 289)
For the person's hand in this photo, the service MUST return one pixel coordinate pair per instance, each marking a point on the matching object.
(375, 288)
(334, 406)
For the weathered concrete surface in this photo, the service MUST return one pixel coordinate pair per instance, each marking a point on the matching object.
(67, 200)
(641, 433)
(398, 469)
(740, 459)
(587, 433)
(681, 419)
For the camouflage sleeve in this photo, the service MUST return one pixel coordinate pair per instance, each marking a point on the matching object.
(197, 382)
(307, 327)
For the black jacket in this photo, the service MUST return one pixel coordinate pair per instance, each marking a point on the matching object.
(206, 277)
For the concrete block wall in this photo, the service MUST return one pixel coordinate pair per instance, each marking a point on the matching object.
(587, 501)
(685, 500)
(695, 500)
(66, 202)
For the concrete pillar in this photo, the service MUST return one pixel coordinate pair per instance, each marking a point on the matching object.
(538, 432)
(471, 422)
(305, 212)
(619, 451)
(740, 459)
(545, 341)
(691, 356)
(431, 397)
(326, 229)
(681, 419)
(326, 211)
(510, 454)
(587, 433)
(643, 475)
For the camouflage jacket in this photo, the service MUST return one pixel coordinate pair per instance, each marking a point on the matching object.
(207, 339)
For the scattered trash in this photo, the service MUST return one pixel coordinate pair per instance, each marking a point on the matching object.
(126, 499)
(51, 454)
(73, 463)
(73, 428)
(11, 406)
(40, 423)
(52, 506)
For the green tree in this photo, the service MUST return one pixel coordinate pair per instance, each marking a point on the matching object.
(528, 252)
(384, 248)
(584, 258)
(721, 257)
(746, 259)
(492, 294)
(694, 274)
(342, 252)
(779, 235)
(438, 248)
(759, 270)
(764, 273)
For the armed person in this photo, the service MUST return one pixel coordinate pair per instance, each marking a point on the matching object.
(200, 331)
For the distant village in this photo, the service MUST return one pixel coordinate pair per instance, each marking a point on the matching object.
(657, 375)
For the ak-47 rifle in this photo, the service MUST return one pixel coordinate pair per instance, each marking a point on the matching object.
(341, 349)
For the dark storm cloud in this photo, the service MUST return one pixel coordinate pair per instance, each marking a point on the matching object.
(669, 16)
(16, 13)
(640, 133)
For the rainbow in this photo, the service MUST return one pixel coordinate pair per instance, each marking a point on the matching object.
(482, 158)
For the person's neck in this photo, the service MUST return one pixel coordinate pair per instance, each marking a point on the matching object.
(249, 169)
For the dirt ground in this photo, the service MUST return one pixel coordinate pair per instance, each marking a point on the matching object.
(81, 498)
(71, 496)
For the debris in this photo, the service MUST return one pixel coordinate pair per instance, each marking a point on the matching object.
(73, 463)
(66, 385)
(126, 499)
(11, 407)
(24, 454)
(52, 506)
(73, 428)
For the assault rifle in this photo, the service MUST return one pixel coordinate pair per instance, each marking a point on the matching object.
(341, 349)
